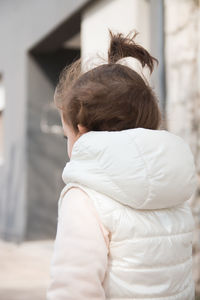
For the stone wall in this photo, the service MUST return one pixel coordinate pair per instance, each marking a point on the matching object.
(182, 53)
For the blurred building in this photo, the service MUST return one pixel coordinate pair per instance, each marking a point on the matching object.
(39, 39)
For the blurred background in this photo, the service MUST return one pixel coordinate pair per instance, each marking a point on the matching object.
(39, 38)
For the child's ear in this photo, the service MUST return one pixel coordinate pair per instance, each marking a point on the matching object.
(82, 129)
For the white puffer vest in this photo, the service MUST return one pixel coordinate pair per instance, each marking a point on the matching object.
(140, 181)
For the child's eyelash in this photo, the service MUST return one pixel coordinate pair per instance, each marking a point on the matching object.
(65, 137)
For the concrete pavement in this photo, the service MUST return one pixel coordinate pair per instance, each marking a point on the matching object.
(25, 270)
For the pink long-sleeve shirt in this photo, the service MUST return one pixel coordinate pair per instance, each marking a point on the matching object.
(79, 260)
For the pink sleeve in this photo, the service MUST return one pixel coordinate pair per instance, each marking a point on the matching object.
(79, 260)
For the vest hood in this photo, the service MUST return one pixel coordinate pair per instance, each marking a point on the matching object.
(139, 167)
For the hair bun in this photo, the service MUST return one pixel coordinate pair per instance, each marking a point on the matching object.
(124, 46)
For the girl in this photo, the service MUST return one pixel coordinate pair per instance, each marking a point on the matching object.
(124, 221)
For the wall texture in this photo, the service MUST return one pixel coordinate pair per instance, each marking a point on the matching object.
(182, 39)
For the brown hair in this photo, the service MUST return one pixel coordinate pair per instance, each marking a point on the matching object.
(111, 96)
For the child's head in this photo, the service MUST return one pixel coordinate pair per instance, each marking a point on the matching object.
(111, 96)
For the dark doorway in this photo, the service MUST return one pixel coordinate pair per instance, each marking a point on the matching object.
(46, 147)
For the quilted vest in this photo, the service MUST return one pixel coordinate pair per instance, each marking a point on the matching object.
(141, 182)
